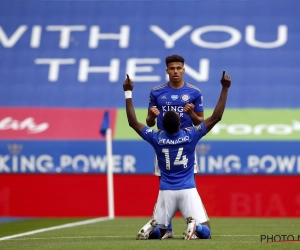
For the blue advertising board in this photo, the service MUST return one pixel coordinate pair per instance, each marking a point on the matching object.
(137, 157)
(76, 53)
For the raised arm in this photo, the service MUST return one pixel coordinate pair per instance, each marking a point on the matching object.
(216, 116)
(131, 116)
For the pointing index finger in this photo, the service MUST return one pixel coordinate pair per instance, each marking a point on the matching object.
(128, 80)
(223, 74)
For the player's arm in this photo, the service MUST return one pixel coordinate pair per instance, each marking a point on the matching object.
(196, 117)
(153, 112)
(131, 116)
(216, 116)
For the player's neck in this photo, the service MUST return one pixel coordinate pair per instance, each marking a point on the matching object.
(176, 85)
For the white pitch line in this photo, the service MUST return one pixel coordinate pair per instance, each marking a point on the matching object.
(77, 237)
(124, 236)
(74, 224)
(234, 235)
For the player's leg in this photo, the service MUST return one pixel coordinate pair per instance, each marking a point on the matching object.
(169, 233)
(197, 170)
(187, 207)
(147, 230)
(165, 210)
(193, 211)
(203, 231)
(150, 229)
(157, 226)
(207, 224)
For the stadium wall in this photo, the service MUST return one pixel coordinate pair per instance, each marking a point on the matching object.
(72, 195)
(63, 63)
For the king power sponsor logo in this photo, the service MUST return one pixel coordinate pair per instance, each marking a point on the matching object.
(209, 164)
(267, 164)
(18, 162)
(137, 157)
(81, 163)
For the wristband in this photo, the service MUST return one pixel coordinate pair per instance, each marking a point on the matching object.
(128, 94)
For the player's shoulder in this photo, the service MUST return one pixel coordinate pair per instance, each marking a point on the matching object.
(152, 130)
(193, 87)
(187, 129)
(160, 132)
(197, 128)
(160, 87)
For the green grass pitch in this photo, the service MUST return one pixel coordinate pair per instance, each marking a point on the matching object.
(227, 233)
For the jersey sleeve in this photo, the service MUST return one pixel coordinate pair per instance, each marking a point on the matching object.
(199, 131)
(198, 102)
(152, 100)
(148, 134)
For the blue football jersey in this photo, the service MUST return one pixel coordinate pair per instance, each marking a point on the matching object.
(175, 155)
(166, 98)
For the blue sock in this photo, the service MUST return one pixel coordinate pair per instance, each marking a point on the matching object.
(155, 234)
(202, 231)
(170, 226)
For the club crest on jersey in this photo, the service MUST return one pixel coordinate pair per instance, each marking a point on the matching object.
(174, 97)
(185, 98)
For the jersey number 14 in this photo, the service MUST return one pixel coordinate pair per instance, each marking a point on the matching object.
(180, 159)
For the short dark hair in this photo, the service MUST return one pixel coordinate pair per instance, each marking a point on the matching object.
(174, 58)
(171, 122)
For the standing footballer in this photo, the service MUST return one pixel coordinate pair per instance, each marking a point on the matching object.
(179, 96)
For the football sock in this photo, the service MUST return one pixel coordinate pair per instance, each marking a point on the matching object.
(170, 226)
(202, 231)
(155, 234)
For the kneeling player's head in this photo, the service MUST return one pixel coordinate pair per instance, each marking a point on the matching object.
(171, 122)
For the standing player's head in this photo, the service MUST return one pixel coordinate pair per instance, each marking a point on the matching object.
(171, 122)
(175, 68)
(174, 58)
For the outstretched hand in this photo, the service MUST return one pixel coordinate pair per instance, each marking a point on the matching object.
(225, 80)
(128, 84)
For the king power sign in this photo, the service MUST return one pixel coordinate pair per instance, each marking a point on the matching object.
(235, 157)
